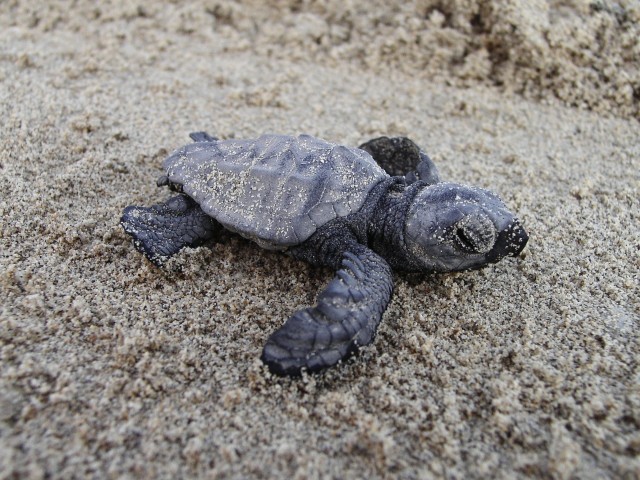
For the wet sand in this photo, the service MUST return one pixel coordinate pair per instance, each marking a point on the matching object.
(111, 367)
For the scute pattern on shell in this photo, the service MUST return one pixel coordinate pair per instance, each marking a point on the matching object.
(276, 190)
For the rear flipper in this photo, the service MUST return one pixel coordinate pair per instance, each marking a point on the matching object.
(162, 230)
(202, 137)
(346, 317)
(400, 156)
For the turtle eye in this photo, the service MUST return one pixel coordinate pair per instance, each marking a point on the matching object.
(475, 234)
(464, 241)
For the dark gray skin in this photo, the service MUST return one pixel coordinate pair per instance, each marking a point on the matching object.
(411, 222)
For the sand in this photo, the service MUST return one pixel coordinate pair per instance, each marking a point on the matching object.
(112, 368)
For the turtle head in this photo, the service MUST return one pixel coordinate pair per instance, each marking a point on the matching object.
(452, 227)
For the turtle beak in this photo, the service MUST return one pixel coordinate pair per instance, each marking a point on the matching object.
(512, 239)
(516, 239)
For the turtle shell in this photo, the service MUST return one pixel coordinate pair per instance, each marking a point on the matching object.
(276, 190)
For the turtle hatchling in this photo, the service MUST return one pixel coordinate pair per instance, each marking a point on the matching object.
(352, 209)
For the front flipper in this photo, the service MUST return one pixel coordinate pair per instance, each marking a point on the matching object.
(345, 318)
(162, 230)
(400, 156)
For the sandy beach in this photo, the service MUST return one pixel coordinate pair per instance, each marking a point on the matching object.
(113, 368)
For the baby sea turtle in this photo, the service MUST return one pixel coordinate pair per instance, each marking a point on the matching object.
(328, 205)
